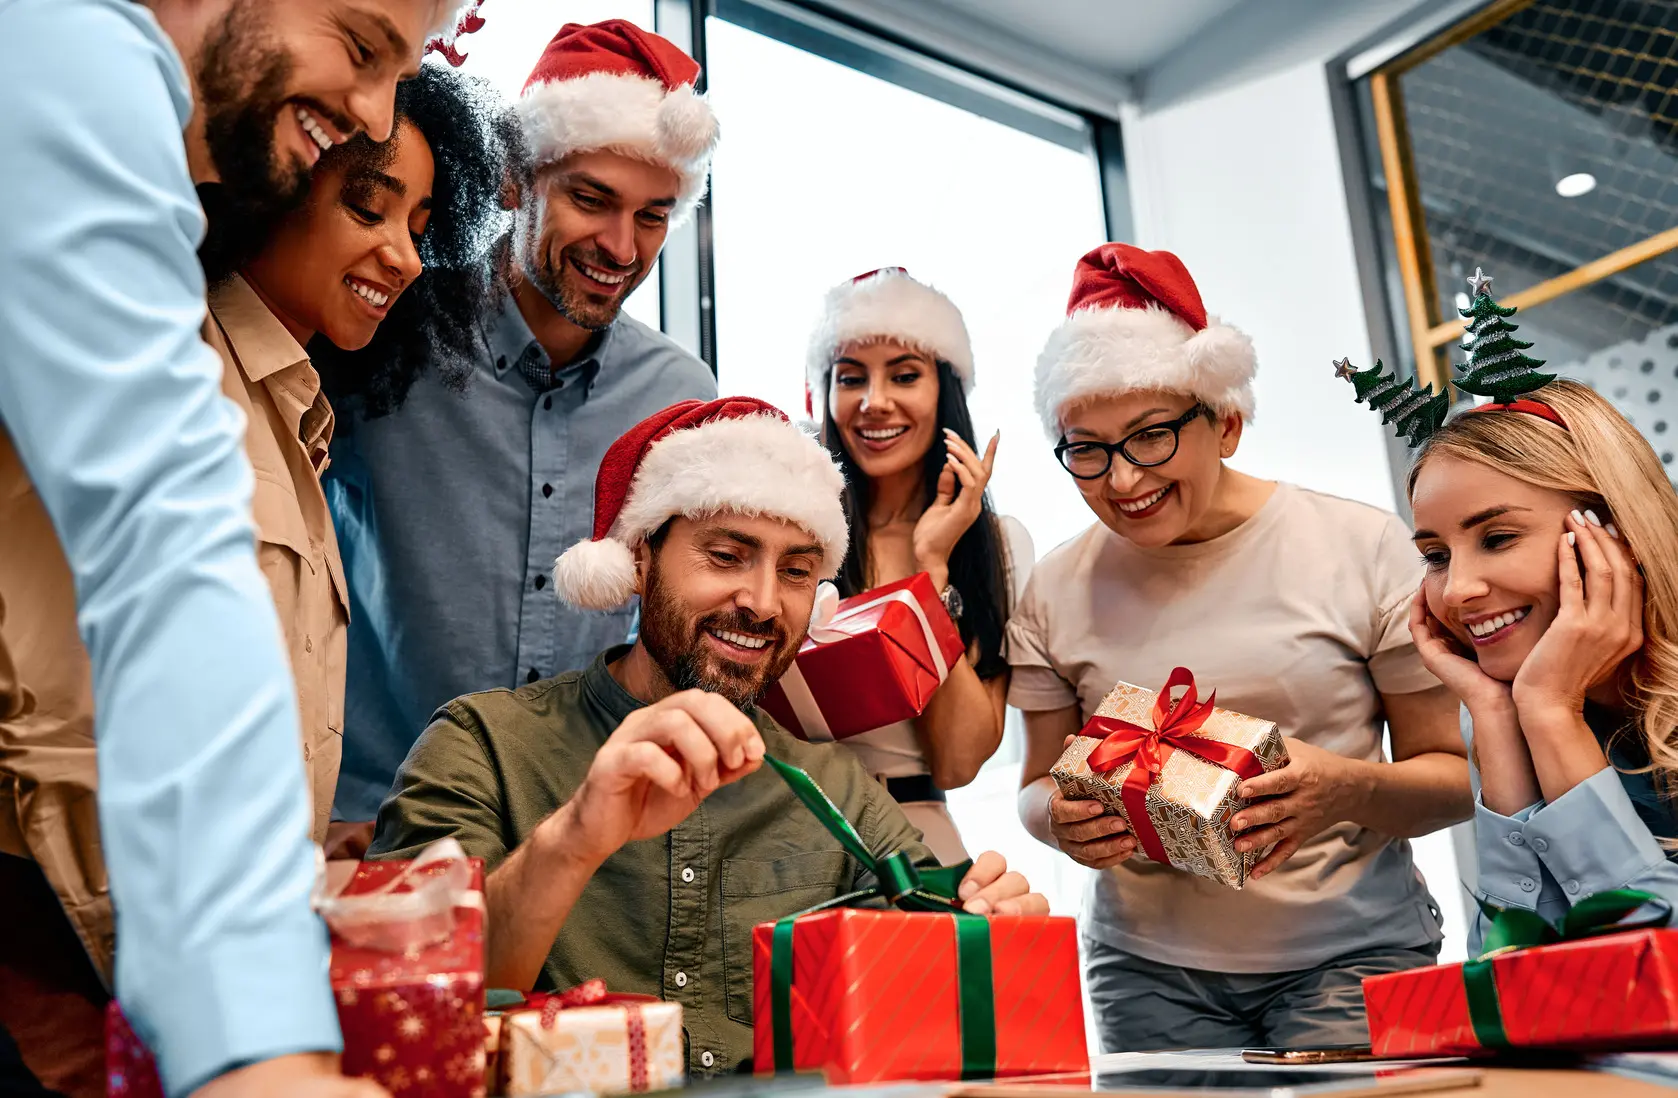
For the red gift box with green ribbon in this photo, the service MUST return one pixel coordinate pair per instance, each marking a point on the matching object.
(923, 992)
(1605, 978)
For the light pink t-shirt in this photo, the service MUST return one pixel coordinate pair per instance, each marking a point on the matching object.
(1299, 616)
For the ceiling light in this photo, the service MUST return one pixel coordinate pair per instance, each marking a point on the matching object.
(1579, 183)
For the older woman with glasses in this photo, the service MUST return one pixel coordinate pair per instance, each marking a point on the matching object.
(1293, 606)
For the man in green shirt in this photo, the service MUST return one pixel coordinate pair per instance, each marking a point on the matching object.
(629, 831)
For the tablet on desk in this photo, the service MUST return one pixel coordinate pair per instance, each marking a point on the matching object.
(1236, 1082)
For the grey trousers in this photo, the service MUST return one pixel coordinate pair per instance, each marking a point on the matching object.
(1142, 1006)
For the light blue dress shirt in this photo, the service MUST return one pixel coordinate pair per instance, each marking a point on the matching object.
(115, 407)
(1595, 837)
(450, 512)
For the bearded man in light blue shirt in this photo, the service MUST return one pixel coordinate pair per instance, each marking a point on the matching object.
(114, 428)
(451, 511)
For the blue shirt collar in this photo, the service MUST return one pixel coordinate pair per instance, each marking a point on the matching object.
(511, 341)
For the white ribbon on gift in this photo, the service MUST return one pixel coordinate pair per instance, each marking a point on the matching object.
(393, 922)
(827, 625)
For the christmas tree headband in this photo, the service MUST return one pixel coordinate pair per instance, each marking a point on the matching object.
(1497, 367)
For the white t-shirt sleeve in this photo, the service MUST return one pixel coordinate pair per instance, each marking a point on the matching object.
(1035, 685)
(1394, 663)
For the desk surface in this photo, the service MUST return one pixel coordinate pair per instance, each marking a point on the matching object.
(1522, 1083)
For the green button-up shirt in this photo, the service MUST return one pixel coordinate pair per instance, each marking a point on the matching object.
(670, 916)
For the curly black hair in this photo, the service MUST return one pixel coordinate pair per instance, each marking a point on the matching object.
(434, 325)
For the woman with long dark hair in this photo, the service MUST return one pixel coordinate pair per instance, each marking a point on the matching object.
(890, 365)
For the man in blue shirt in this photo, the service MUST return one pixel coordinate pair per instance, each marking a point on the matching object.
(125, 501)
(451, 511)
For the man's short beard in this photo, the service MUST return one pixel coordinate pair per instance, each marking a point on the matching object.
(677, 648)
(536, 268)
(242, 82)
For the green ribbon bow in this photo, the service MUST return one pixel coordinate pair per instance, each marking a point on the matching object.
(903, 884)
(1514, 929)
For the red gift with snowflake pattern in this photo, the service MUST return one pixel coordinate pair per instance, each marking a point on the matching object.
(407, 971)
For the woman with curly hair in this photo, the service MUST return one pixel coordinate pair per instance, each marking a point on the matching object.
(379, 275)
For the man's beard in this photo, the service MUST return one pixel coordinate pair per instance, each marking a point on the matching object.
(574, 305)
(678, 648)
(242, 82)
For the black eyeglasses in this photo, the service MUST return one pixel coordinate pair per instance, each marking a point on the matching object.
(1153, 445)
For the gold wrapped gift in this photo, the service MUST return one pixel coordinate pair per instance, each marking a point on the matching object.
(584, 1040)
(1181, 762)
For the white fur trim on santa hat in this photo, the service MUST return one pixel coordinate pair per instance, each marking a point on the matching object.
(752, 465)
(635, 115)
(888, 305)
(1109, 352)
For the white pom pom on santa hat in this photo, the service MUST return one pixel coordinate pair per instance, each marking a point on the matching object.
(695, 459)
(1135, 322)
(612, 85)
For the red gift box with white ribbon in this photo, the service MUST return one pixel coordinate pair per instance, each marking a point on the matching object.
(876, 661)
(407, 971)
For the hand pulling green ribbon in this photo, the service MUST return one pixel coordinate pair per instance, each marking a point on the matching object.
(903, 884)
(1514, 929)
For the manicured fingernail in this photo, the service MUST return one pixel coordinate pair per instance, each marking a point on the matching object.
(968, 888)
(1577, 517)
(1613, 533)
(1590, 517)
(978, 907)
(1570, 538)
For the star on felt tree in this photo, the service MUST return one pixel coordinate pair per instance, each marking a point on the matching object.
(1415, 413)
(1497, 365)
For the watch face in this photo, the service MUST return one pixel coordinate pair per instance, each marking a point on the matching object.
(952, 601)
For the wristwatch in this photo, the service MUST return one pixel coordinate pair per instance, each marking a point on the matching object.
(951, 598)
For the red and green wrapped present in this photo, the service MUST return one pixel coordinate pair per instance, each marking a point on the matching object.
(875, 661)
(1604, 979)
(1172, 768)
(924, 992)
(407, 971)
(588, 1040)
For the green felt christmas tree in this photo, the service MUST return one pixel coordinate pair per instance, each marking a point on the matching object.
(1414, 413)
(1497, 366)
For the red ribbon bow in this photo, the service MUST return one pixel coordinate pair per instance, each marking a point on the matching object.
(593, 993)
(1176, 727)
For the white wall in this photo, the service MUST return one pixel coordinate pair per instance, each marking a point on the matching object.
(1235, 166)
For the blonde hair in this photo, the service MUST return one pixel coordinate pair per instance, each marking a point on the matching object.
(1604, 464)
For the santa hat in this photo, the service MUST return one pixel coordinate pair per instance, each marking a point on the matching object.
(694, 459)
(1135, 322)
(614, 86)
(886, 304)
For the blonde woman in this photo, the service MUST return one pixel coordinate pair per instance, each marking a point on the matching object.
(1550, 607)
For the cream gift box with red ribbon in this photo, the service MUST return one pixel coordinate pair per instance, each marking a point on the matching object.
(1172, 767)
(875, 660)
(590, 1040)
(407, 971)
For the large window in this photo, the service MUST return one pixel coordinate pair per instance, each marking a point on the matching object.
(513, 37)
(1540, 142)
(826, 172)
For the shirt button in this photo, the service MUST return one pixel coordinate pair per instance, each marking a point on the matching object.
(541, 581)
(1540, 845)
(559, 385)
(1572, 888)
(1515, 838)
(308, 753)
(682, 980)
(687, 874)
(501, 362)
(1528, 884)
(308, 644)
(532, 675)
(547, 404)
(707, 1058)
(547, 490)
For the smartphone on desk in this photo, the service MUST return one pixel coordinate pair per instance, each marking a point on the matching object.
(1334, 1054)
